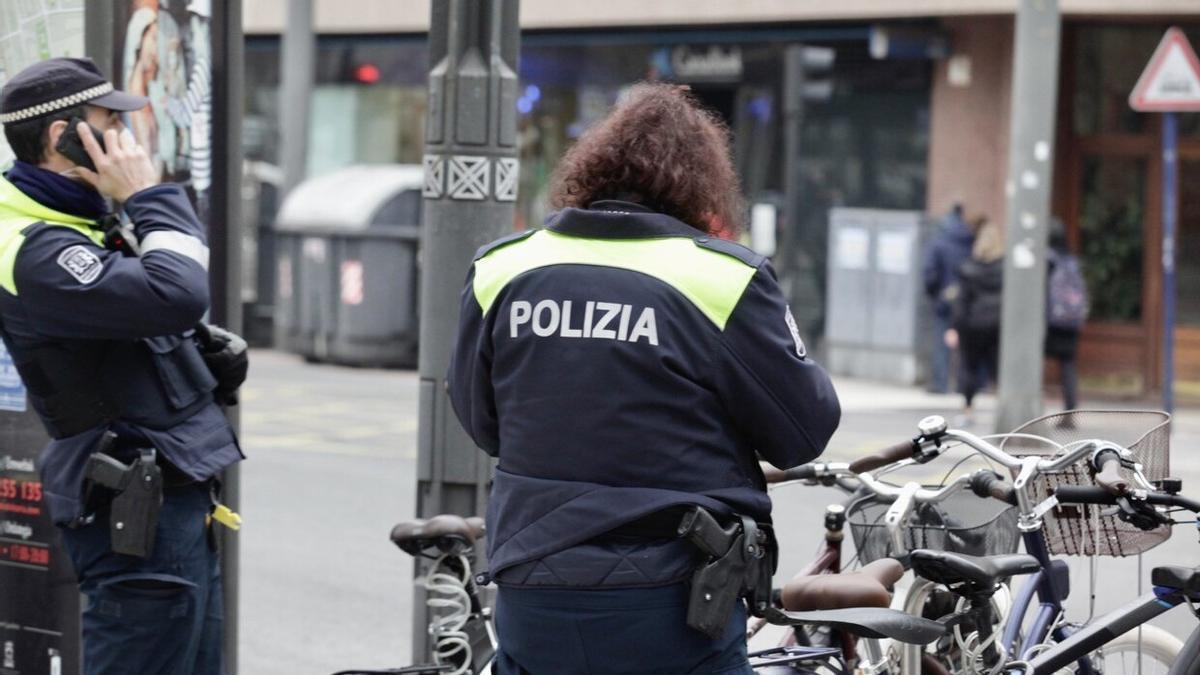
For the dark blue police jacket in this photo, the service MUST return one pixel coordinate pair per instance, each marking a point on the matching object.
(103, 341)
(620, 362)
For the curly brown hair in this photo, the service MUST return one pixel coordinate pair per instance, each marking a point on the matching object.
(660, 148)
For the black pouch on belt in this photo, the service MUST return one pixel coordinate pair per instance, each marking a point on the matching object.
(138, 488)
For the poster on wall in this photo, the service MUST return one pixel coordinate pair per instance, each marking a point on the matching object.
(39, 599)
(33, 31)
(162, 49)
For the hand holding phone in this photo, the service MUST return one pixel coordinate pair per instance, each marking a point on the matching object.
(70, 146)
(122, 167)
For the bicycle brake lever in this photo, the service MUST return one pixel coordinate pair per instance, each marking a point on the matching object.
(1142, 517)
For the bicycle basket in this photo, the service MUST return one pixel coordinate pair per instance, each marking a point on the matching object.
(962, 523)
(1071, 529)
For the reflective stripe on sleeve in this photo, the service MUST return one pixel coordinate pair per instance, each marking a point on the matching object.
(183, 244)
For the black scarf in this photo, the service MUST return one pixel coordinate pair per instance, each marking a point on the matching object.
(56, 191)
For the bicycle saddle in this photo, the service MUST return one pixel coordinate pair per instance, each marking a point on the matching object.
(871, 622)
(974, 572)
(1185, 579)
(867, 587)
(448, 533)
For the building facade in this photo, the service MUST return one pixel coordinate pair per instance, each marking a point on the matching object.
(916, 118)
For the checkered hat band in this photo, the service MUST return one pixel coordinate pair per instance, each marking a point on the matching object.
(57, 104)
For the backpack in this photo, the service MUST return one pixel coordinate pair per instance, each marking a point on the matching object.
(1067, 300)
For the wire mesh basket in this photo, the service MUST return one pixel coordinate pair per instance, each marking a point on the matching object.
(1072, 529)
(962, 523)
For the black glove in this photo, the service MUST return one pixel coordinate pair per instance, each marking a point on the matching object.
(227, 358)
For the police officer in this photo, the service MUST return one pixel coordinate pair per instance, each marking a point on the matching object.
(624, 366)
(105, 345)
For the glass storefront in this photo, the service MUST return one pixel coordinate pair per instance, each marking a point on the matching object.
(865, 145)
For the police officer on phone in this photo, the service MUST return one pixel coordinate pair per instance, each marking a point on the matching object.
(106, 342)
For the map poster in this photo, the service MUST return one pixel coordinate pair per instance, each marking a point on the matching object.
(39, 598)
(33, 30)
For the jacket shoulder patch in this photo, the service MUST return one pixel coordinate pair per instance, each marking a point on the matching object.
(81, 263)
(502, 242)
(731, 249)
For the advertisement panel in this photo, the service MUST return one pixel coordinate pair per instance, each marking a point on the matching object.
(39, 600)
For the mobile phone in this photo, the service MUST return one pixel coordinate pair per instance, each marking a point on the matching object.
(71, 146)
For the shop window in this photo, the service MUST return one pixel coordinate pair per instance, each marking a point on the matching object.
(1108, 60)
(1110, 219)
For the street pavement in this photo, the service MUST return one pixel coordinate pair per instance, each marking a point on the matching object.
(332, 455)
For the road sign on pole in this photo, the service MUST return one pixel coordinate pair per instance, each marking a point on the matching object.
(1171, 81)
(1169, 84)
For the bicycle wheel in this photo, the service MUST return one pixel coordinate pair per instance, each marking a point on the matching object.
(1157, 650)
(933, 601)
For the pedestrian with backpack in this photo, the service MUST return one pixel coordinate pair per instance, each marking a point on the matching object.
(1066, 311)
(975, 317)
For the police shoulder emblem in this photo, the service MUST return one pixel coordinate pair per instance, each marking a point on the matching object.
(801, 351)
(80, 263)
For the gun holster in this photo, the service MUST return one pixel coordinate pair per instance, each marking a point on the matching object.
(740, 561)
(138, 495)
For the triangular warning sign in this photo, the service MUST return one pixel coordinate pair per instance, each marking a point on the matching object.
(1171, 81)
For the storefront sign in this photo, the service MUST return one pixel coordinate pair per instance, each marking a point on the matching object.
(714, 63)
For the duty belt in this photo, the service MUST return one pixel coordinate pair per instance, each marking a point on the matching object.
(740, 559)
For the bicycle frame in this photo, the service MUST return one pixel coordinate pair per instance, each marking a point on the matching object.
(1100, 631)
(828, 561)
(1050, 607)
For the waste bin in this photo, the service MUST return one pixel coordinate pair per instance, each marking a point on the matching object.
(346, 266)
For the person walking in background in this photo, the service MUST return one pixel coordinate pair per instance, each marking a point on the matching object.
(975, 316)
(948, 250)
(1066, 311)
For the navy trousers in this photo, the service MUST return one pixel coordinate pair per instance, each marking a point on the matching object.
(626, 631)
(160, 615)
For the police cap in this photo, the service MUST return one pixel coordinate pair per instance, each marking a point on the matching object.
(56, 84)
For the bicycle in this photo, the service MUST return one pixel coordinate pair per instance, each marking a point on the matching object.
(464, 639)
(460, 623)
(1044, 530)
(887, 521)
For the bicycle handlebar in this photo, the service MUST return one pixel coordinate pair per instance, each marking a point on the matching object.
(1107, 463)
(881, 458)
(1088, 494)
(985, 483)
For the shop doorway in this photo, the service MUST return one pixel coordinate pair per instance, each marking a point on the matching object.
(1187, 279)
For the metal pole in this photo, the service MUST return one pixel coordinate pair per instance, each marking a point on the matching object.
(793, 124)
(225, 242)
(299, 46)
(1030, 164)
(1170, 135)
(470, 188)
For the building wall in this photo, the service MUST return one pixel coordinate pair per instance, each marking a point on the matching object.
(968, 144)
(400, 16)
